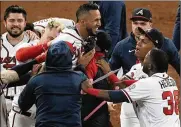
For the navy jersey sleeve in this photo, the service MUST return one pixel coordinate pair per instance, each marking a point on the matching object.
(27, 97)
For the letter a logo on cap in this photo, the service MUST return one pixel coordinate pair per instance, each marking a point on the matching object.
(140, 12)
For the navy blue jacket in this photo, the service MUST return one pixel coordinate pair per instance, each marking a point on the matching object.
(123, 54)
(176, 31)
(56, 92)
(113, 19)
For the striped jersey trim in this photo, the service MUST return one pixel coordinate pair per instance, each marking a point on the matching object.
(127, 95)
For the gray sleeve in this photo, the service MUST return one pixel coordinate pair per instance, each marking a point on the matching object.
(8, 76)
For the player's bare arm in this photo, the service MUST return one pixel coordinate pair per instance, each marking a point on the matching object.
(118, 83)
(115, 96)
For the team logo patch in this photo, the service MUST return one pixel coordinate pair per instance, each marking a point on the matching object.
(140, 12)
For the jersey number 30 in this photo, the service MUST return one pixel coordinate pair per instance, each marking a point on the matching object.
(173, 102)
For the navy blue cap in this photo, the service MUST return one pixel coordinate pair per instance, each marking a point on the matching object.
(141, 14)
(154, 35)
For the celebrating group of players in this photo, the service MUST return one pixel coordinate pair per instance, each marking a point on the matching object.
(56, 73)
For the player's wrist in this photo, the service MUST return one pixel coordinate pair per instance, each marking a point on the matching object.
(92, 91)
(44, 47)
(41, 58)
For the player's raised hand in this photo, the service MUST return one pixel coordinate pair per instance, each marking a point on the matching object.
(86, 84)
(32, 35)
(86, 58)
(104, 66)
(111, 106)
(49, 43)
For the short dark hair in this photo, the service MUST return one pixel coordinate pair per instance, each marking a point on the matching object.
(103, 40)
(14, 9)
(159, 59)
(29, 26)
(85, 8)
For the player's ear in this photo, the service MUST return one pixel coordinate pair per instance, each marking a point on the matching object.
(151, 24)
(43, 31)
(150, 66)
(82, 22)
(4, 23)
(25, 23)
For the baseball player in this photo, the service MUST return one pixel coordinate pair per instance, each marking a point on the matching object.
(51, 32)
(50, 89)
(72, 35)
(15, 22)
(145, 42)
(128, 116)
(155, 99)
(7, 76)
(18, 75)
(124, 53)
(86, 26)
(27, 119)
(40, 25)
(88, 21)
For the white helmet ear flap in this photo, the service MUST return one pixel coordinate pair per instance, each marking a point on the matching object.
(40, 29)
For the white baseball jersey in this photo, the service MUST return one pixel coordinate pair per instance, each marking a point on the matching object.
(8, 60)
(7, 76)
(128, 116)
(40, 25)
(68, 34)
(8, 51)
(19, 120)
(136, 72)
(155, 101)
(32, 43)
(4, 122)
(71, 36)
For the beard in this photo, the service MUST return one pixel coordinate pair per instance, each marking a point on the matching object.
(90, 32)
(15, 34)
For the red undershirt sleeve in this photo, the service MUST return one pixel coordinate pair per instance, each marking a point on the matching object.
(91, 69)
(26, 53)
(92, 91)
(113, 78)
(41, 58)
